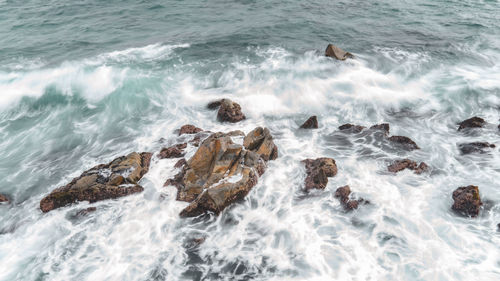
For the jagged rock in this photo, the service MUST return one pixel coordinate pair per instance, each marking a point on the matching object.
(174, 151)
(229, 111)
(467, 200)
(222, 172)
(474, 147)
(115, 179)
(4, 199)
(384, 127)
(474, 122)
(406, 142)
(260, 141)
(311, 123)
(350, 128)
(337, 53)
(318, 170)
(343, 193)
(189, 129)
(400, 165)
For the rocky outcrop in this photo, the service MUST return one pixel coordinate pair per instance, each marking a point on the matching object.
(318, 170)
(467, 200)
(174, 151)
(115, 179)
(402, 164)
(350, 128)
(404, 142)
(311, 123)
(474, 122)
(222, 172)
(189, 129)
(337, 53)
(229, 111)
(342, 193)
(3, 199)
(475, 147)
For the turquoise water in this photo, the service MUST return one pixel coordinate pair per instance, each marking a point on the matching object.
(82, 83)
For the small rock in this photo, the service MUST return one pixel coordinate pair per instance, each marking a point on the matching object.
(474, 147)
(351, 128)
(404, 141)
(311, 123)
(318, 170)
(474, 122)
(343, 193)
(85, 212)
(174, 151)
(384, 127)
(229, 111)
(467, 200)
(189, 129)
(337, 53)
(400, 165)
(4, 199)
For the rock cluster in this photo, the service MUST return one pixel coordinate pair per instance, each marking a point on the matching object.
(318, 170)
(115, 179)
(311, 123)
(402, 164)
(229, 111)
(467, 200)
(222, 172)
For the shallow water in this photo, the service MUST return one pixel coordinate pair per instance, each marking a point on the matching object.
(81, 84)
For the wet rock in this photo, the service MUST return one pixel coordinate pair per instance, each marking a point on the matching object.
(474, 122)
(311, 123)
(474, 147)
(174, 151)
(222, 172)
(229, 111)
(85, 212)
(106, 181)
(3, 199)
(318, 170)
(405, 142)
(400, 165)
(337, 53)
(180, 163)
(384, 127)
(343, 193)
(259, 140)
(350, 128)
(467, 200)
(189, 129)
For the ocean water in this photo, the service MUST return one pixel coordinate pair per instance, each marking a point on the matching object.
(82, 82)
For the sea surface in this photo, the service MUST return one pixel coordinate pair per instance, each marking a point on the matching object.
(83, 82)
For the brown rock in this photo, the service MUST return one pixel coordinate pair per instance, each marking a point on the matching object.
(337, 53)
(406, 142)
(384, 127)
(221, 172)
(4, 199)
(189, 129)
(180, 163)
(318, 170)
(259, 140)
(115, 179)
(343, 193)
(400, 165)
(174, 151)
(350, 128)
(229, 111)
(311, 123)
(474, 122)
(474, 147)
(467, 200)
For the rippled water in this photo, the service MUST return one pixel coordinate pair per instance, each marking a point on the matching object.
(82, 83)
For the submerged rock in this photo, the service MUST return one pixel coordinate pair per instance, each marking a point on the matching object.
(4, 199)
(405, 142)
(175, 151)
(229, 111)
(400, 165)
(337, 53)
(475, 147)
(474, 122)
(467, 200)
(350, 128)
(343, 193)
(189, 129)
(222, 172)
(85, 212)
(318, 170)
(115, 179)
(311, 123)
